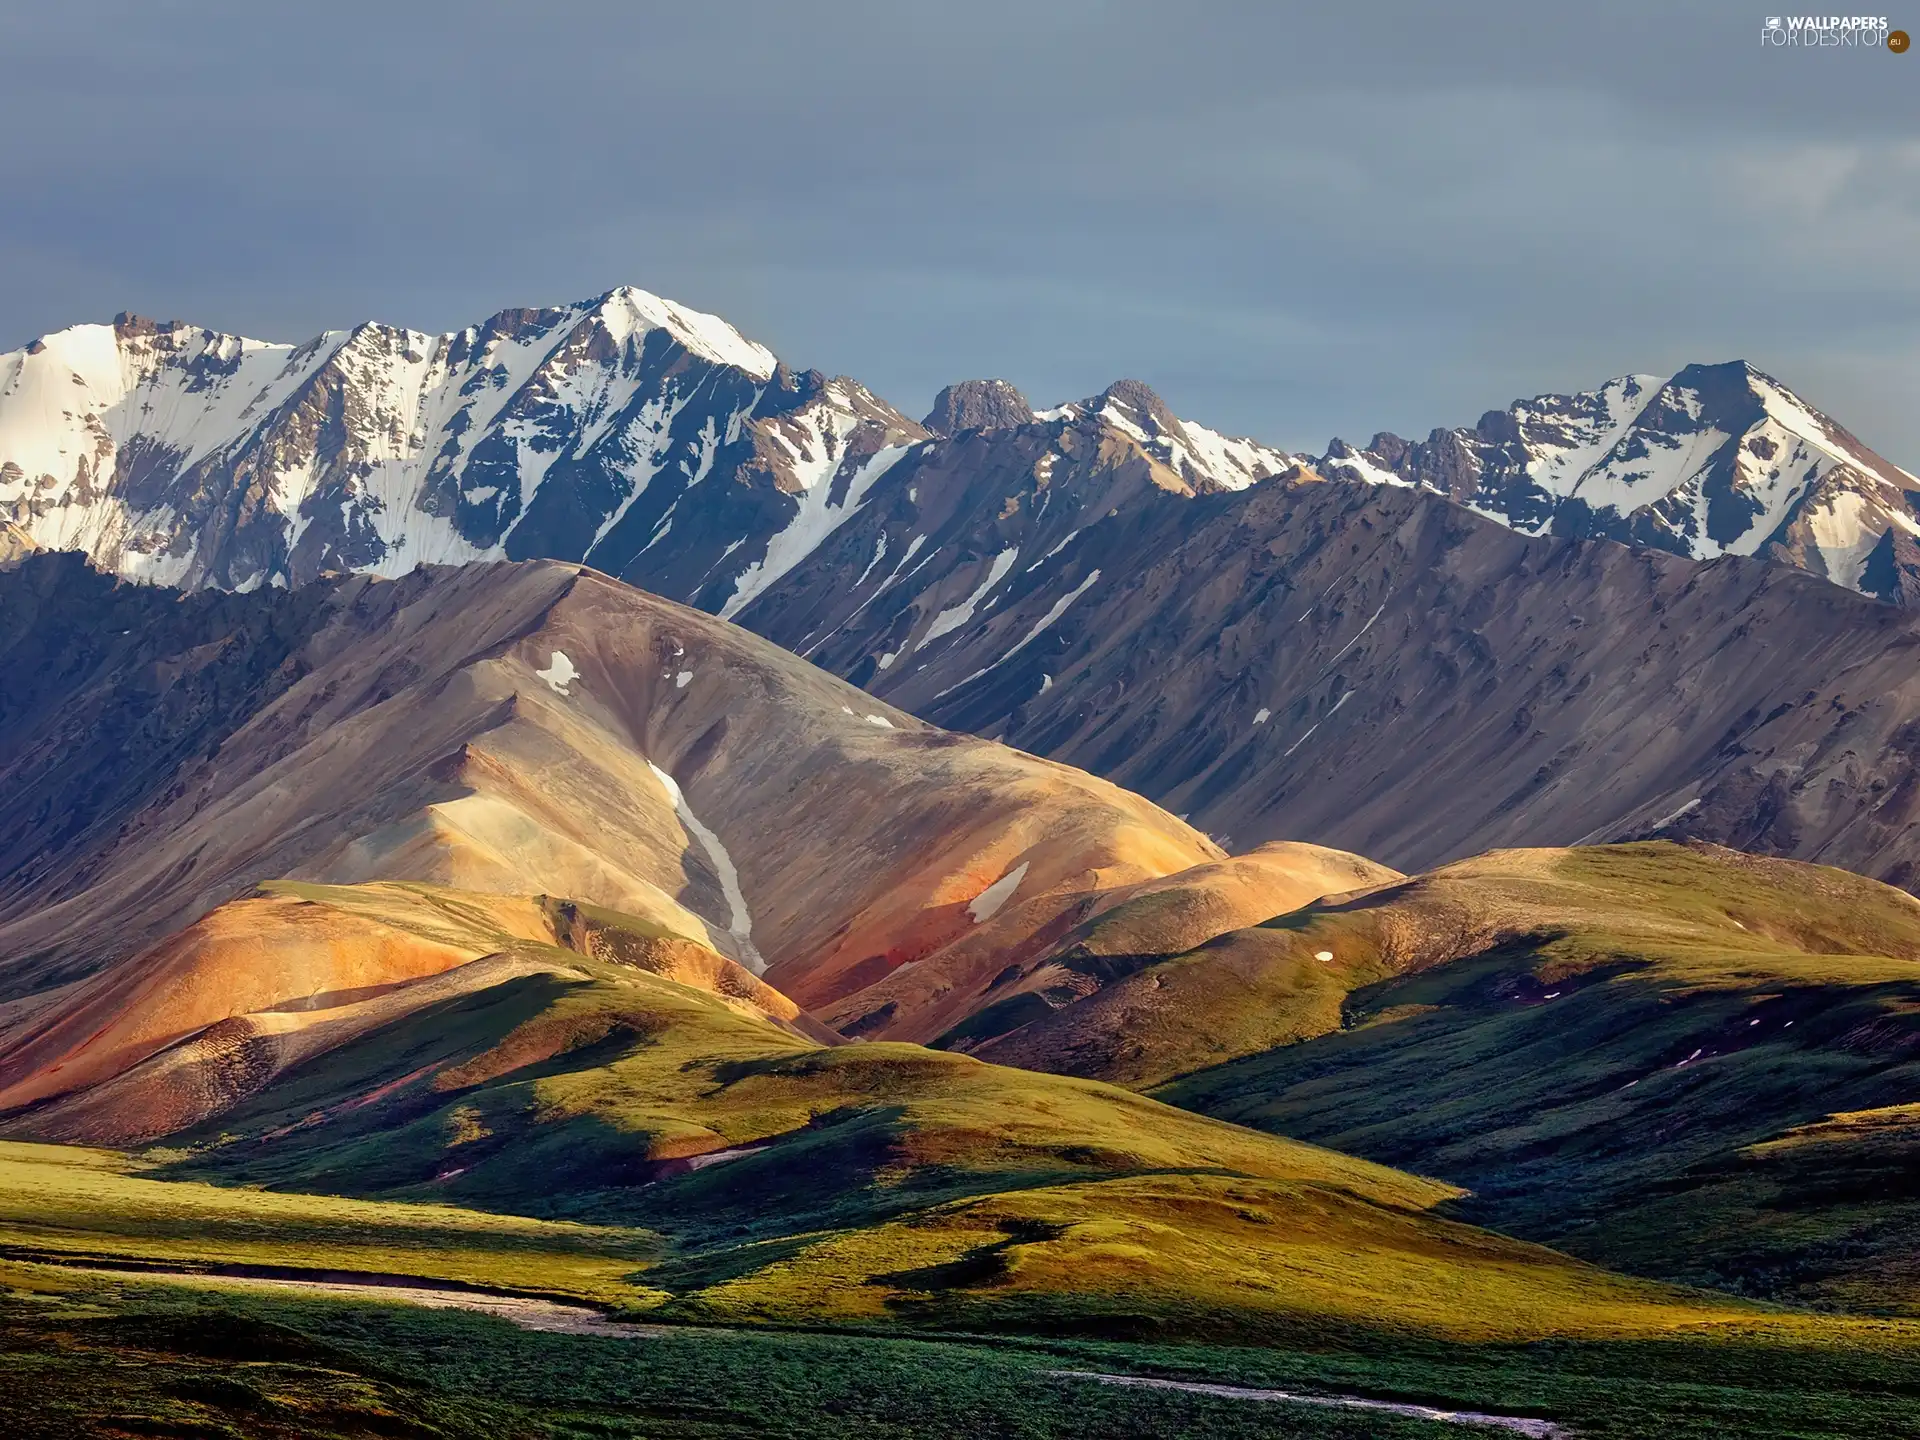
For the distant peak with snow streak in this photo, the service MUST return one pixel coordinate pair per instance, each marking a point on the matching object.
(1203, 458)
(1715, 460)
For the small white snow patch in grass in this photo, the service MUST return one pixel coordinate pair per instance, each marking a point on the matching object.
(720, 1157)
(1046, 683)
(1262, 715)
(887, 659)
(680, 680)
(984, 906)
(1323, 955)
(846, 709)
(880, 720)
(559, 673)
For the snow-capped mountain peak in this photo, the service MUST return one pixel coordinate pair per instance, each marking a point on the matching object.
(629, 310)
(1714, 460)
(185, 456)
(1205, 459)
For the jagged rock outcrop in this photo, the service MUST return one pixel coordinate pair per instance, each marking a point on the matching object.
(978, 405)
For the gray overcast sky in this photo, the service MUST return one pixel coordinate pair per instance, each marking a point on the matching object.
(1294, 221)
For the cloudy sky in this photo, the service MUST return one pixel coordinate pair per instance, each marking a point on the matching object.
(1293, 221)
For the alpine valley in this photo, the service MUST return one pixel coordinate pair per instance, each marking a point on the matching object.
(569, 880)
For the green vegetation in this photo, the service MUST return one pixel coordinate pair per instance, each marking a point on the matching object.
(57, 1199)
(862, 1182)
(788, 1182)
(1631, 1053)
(84, 1357)
(1524, 1023)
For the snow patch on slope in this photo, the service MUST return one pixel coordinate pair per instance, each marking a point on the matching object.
(984, 906)
(955, 616)
(1233, 463)
(1058, 609)
(739, 919)
(815, 519)
(559, 673)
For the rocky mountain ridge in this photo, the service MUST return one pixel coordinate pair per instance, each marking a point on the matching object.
(648, 440)
(658, 444)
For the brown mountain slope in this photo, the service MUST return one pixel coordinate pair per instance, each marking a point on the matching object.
(1002, 977)
(215, 1013)
(514, 729)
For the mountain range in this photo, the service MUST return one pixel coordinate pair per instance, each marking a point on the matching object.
(657, 444)
(1328, 638)
(1715, 460)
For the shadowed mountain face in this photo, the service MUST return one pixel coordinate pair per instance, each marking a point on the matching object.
(1377, 669)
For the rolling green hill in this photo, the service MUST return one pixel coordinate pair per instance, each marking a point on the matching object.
(587, 1126)
(797, 1182)
(751, 1171)
(1682, 1062)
